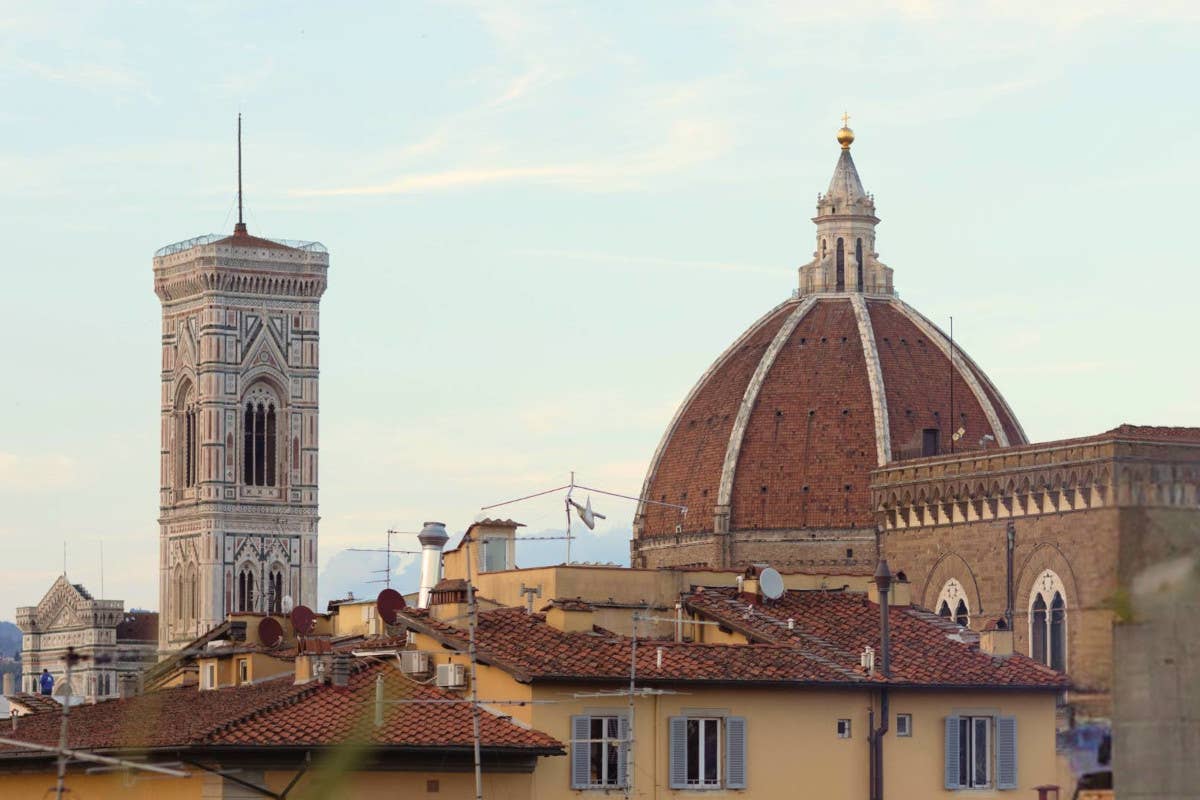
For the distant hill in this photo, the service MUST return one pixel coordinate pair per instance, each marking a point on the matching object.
(10, 639)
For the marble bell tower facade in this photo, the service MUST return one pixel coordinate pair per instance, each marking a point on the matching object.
(238, 490)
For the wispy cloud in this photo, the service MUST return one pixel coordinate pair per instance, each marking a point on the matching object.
(651, 261)
(690, 142)
(91, 76)
(31, 473)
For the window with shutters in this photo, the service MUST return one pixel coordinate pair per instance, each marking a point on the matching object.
(598, 751)
(708, 752)
(981, 752)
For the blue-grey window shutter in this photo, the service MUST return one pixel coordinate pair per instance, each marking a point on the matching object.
(735, 742)
(952, 753)
(1006, 752)
(581, 730)
(678, 767)
(623, 752)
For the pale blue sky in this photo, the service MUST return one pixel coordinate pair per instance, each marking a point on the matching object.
(545, 220)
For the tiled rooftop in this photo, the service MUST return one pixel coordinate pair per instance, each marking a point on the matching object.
(415, 715)
(926, 649)
(831, 630)
(278, 713)
(34, 703)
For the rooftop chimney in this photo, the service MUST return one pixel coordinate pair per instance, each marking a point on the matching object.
(883, 583)
(433, 538)
(570, 616)
(996, 639)
(341, 670)
(8, 684)
(127, 686)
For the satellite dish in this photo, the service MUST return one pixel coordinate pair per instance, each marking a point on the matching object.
(770, 583)
(270, 632)
(586, 514)
(288, 604)
(302, 618)
(389, 604)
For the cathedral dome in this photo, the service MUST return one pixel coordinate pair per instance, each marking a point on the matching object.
(783, 430)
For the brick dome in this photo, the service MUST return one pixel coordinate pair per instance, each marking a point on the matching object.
(783, 430)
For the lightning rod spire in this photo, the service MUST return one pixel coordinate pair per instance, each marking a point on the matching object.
(241, 223)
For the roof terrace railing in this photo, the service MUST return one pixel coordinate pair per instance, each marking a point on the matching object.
(209, 238)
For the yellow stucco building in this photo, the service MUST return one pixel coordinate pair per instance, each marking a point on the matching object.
(589, 682)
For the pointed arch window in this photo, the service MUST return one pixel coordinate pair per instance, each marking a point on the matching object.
(858, 257)
(260, 437)
(952, 603)
(187, 425)
(841, 265)
(245, 590)
(1048, 621)
(275, 590)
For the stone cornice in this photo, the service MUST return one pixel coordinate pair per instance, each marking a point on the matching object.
(1032, 480)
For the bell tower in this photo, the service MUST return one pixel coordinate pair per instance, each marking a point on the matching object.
(238, 454)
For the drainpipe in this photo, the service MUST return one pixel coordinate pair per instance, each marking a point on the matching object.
(883, 582)
(1011, 535)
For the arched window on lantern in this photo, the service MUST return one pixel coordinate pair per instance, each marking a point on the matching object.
(260, 413)
(858, 257)
(1048, 621)
(952, 603)
(841, 265)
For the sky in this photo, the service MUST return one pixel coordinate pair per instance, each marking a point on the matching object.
(545, 220)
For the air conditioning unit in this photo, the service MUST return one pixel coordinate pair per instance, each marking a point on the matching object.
(414, 662)
(452, 676)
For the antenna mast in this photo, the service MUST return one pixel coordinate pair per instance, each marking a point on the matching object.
(241, 224)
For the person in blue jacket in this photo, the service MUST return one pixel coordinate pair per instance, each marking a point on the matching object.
(47, 682)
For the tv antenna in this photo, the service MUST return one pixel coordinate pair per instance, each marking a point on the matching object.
(585, 512)
(386, 580)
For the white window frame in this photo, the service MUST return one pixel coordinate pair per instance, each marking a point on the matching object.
(243, 668)
(210, 676)
(906, 731)
(968, 748)
(701, 761)
(607, 742)
(844, 729)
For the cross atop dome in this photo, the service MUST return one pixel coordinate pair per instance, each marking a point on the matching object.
(845, 259)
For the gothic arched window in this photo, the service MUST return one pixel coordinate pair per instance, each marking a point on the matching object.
(841, 265)
(193, 592)
(259, 438)
(245, 590)
(275, 588)
(858, 258)
(1048, 621)
(188, 422)
(178, 582)
(952, 603)
(1037, 632)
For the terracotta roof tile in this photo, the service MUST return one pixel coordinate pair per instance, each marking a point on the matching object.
(278, 713)
(830, 631)
(34, 703)
(926, 649)
(416, 715)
